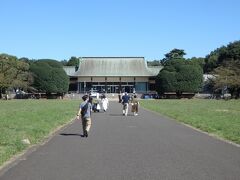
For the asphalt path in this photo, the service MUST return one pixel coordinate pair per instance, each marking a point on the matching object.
(142, 147)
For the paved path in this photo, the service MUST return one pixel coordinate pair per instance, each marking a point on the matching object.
(126, 148)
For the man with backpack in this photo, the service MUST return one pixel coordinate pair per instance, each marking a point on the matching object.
(85, 112)
(125, 102)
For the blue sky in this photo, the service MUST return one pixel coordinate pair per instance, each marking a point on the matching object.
(59, 29)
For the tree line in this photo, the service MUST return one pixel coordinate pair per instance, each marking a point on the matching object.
(178, 74)
(186, 75)
(34, 76)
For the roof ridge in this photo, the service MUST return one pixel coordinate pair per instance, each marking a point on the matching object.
(114, 57)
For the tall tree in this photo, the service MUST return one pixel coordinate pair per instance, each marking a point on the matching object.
(173, 54)
(14, 74)
(227, 77)
(49, 76)
(73, 61)
(179, 75)
(230, 53)
(211, 60)
(227, 68)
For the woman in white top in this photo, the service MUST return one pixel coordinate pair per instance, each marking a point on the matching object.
(104, 103)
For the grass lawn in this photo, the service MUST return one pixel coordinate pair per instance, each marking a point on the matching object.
(32, 119)
(218, 117)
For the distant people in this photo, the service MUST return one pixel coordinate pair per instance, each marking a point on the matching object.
(135, 104)
(96, 105)
(105, 103)
(125, 102)
(85, 112)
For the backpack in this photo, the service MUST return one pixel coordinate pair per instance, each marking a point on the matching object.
(84, 109)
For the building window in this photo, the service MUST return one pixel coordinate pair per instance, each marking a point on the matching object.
(141, 86)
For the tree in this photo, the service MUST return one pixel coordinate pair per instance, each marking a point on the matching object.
(173, 54)
(49, 76)
(211, 60)
(64, 62)
(230, 53)
(14, 74)
(73, 61)
(226, 68)
(189, 78)
(227, 77)
(154, 63)
(166, 82)
(179, 75)
(198, 61)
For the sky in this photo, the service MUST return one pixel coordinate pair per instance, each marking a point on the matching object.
(59, 29)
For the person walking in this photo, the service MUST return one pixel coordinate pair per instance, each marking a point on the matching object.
(125, 102)
(119, 97)
(85, 112)
(104, 103)
(135, 104)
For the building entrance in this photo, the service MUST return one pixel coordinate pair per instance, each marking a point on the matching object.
(127, 88)
(113, 88)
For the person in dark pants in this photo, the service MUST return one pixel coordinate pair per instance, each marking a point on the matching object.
(125, 102)
(135, 104)
(119, 97)
(85, 112)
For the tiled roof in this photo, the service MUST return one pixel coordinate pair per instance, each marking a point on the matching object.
(114, 66)
(69, 70)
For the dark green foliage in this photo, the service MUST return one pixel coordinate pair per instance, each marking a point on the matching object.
(179, 75)
(198, 61)
(51, 62)
(154, 63)
(224, 64)
(64, 62)
(212, 60)
(166, 81)
(175, 53)
(49, 76)
(222, 55)
(189, 78)
(230, 53)
(73, 61)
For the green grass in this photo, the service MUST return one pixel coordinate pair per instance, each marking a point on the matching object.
(218, 117)
(32, 119)
(36, 119)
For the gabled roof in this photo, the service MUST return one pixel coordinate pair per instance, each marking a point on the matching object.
(114, 66)
(69, 70)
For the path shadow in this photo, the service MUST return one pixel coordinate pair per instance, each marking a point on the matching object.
(71, 134)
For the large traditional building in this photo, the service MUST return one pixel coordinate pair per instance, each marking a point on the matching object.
(112, 75)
